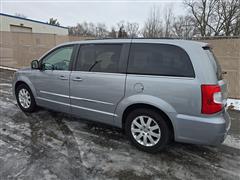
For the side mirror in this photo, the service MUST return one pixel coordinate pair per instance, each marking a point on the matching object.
(35, 64)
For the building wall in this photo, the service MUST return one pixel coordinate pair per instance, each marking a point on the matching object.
(227, 51)
(19, 49)
(37, 27)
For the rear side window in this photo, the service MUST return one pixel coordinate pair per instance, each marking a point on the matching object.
(99, 58)
(159, 59)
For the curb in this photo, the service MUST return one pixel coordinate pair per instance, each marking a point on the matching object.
(8, 68)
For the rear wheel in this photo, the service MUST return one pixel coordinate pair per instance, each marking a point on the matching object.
(147, 130)
(25, 98)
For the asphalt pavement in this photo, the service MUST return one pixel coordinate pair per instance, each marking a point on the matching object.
(51, 145)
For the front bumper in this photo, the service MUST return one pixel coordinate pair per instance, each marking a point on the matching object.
(210, 130)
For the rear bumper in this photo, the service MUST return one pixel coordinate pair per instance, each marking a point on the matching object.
(202, 130)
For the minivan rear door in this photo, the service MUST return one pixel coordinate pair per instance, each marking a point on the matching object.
(97, 83)
(218, 71)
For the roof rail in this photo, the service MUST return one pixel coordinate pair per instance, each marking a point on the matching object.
(132, 38)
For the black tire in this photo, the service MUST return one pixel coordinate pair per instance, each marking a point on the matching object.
(32, 106)
(165, 132)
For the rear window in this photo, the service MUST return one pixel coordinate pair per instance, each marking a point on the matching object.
(214, 61)
(159, 59)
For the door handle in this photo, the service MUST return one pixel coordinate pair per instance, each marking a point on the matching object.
(77, 79)
(62, 77)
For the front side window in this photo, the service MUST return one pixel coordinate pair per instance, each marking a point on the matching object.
(159, 59)
(99, 58)
(59, 59)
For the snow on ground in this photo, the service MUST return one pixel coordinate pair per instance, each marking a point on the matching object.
(232, 141)
(233, 104)
(6, 84)
(8, 68)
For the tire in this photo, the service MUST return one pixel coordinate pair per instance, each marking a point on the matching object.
(140, 136)
(25, 98)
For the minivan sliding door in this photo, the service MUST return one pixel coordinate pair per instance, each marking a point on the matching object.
(97, 84)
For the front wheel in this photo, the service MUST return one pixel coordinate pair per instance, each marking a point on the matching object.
(147, 130)
(25, 98)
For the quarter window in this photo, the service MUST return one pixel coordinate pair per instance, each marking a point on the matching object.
(159, 59)
(59, 59)
(99, 58)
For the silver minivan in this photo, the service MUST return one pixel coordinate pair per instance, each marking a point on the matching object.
(157, 90)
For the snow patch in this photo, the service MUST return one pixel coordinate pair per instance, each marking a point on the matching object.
(233, 104)
(232, 142)
(2, 143)
(5, 92)
(6, 105)
(6, 84)
(8, 68)
(23, 127)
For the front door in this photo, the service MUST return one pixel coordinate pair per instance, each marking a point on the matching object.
(52, 81)
(98, 82)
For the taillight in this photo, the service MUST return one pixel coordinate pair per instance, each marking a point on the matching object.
(211, 99)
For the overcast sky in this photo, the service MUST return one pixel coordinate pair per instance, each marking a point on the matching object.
(69, 13)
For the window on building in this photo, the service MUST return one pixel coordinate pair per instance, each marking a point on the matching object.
(14, 28)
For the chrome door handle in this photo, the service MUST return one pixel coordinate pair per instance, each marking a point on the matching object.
(63, 77)
(77, 79)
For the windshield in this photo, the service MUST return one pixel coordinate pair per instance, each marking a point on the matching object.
(214, 61)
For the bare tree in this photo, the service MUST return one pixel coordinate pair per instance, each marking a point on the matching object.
(230, 15)
(101, 31)
(216, 17)
(236, 26)
(121, 32)
(132, 29)
(81, 29)
(202, 11)
(184, 27)
(128, 29)
(168, 21)
(75, 30)
(89, 29)
(225, 17)
(153, 26)
(112, 33)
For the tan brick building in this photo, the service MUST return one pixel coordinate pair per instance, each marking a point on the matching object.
(9, 23)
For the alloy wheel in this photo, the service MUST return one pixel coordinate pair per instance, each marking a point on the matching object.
(145, 131)
(24, 98)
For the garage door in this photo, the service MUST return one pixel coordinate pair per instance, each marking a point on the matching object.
(14, 28)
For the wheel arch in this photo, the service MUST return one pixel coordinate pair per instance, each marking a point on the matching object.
(132, 107)
(27, 83)
(19, 83)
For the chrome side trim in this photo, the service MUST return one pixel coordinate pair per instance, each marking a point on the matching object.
(93, 110)
(158, 76)
(55, 94)
(91, 100)
(79, 107)
(78, 98)
(49, 100)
